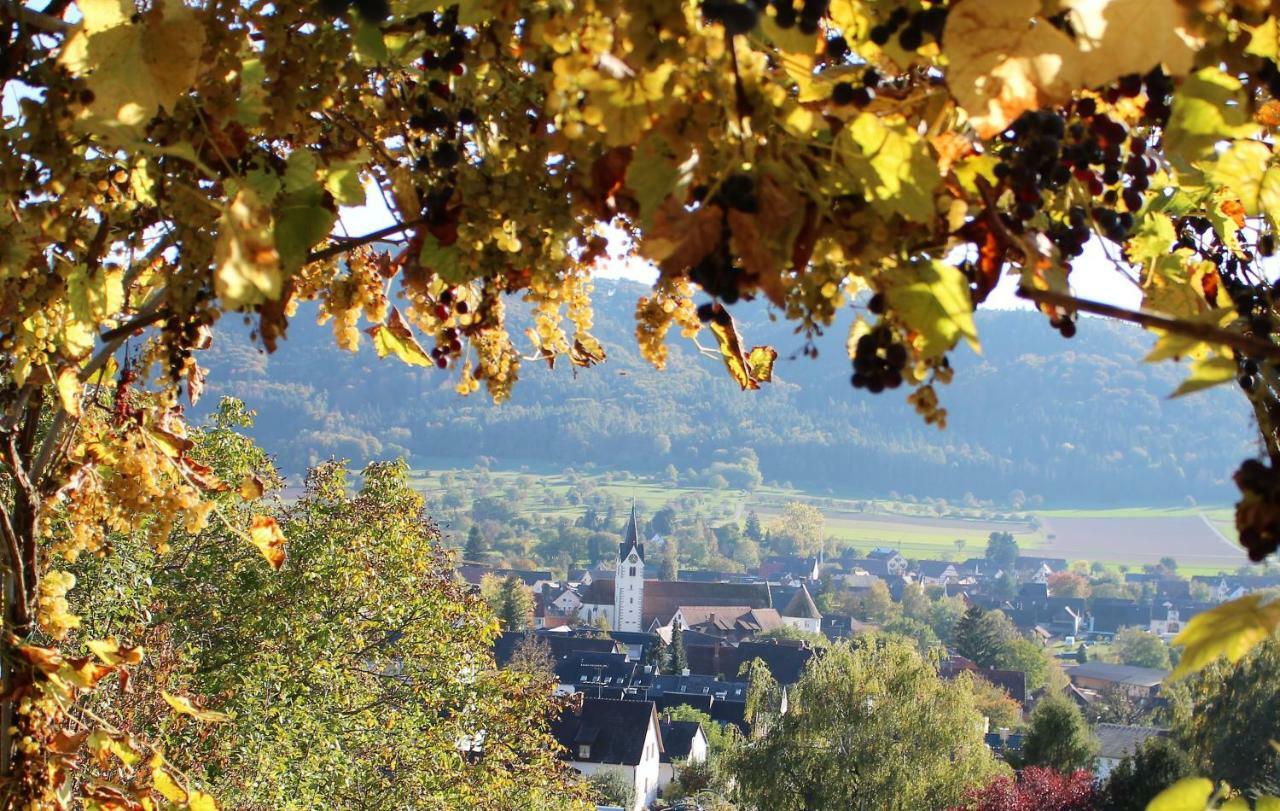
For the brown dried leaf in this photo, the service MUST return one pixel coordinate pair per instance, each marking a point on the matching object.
(265, 534)
(681, 239)
(758, 261)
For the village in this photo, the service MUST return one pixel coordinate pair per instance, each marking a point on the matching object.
(634, 650)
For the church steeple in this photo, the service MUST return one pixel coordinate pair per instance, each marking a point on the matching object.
(631, 539)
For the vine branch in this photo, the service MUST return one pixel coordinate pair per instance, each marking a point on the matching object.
(1246, 344)
(345, 244)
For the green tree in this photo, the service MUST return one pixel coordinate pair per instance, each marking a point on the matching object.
(679, 657)
(1001, 710)
(1226, 716)
(1141, 648)
(477, 548)
(871, 726)
(374, 658)
(920, 634)
(982, 635)
(752, 529)
(915, 602)
(1002, 551)
(611, 788)
(669, 569)
(875, 604)
(517, 604)
(1020, 653)
(1135, 781)
(799, 530)
(1058, 737)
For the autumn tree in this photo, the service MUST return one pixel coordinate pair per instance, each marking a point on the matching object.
(166, 164)
(799, 530)
(1036, 789)
(1140, 647)
(1068, 584)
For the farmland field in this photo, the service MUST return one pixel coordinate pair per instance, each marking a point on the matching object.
(1200, 539)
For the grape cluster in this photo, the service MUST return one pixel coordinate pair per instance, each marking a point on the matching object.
(736, 17)
(859, 95)
(911, 27)
(806, 19)
(878, 361)
(437, 127)
(1258, 513)
(374, 11)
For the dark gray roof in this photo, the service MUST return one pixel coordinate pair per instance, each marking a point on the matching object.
(592, 668)
(1120, 674)
(785, 662)
(560, 645)
(631, 538)
(933, 568)
(677, 738)
(615, 730)
(1119, 741)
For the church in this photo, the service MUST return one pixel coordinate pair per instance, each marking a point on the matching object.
(629, 602)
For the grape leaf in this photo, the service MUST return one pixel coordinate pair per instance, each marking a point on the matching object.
(111, 652)
(1206, 373)
(443, 260)
(891, 163)
(1104, 31)
(183, 706)
(932, 298)
(395, 338)
(1208, 107)
(1264, 39)
(1002, 61)
(370, 44)
(133, 69)
(1231, 629)
(653, 173)
(1152, 239)
(265, 534)
(748, 370)
(1241, 169)
(1188, 794)
(166, 785)
(246, 262)
(68, 384)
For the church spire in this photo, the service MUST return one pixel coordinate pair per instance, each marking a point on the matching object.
(631, 537)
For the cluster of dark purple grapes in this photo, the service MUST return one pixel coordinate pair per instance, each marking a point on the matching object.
(1065, 325)
(1270, 74)
(737, 191)
(431, 117)
(374, 11)
(911, 26)
(740, 17)
(717, 274)
(448, 344)
(878, 359)
(1258, 513)
(859, 95)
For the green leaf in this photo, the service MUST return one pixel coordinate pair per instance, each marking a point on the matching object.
(1269, 196)
(1188, 794)
(395, 338)
(1206, 373)
(251, 105)
(95, 296)
(444, 261)
(299, 227)
(932, 299)
(653, 174)
(1152, 239)
(891, 164)
(370, 44)
(1209, 107)
(1231, 629)
(1241, 169)
(342, 180)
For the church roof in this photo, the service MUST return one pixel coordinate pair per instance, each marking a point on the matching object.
(631, 537)
(802, 606)
(662, 597)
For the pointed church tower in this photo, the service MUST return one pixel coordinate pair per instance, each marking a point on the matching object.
(628, 582)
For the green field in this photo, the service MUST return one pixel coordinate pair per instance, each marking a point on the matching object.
(921, 528)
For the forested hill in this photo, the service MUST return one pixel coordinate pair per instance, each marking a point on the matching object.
(1078, 421)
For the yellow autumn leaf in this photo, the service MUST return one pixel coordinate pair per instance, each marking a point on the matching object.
(1241, 169)
(932, 298)
(69, 390)
(183, 706)
(1188, 794)
(1104, 32)
(265, 534)
(251, 487)
(133, 69)
(167, 786)
(1206, 373)
(199, 801)
(748, 371)
(1003, 61)
(247, 267)
(111, 652)
(395, 338)
(1231, 629)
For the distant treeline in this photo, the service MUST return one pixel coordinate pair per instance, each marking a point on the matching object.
(1080, 421)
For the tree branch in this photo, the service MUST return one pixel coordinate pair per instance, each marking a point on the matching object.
(1246, 344)
(351, 243)
(33, 19)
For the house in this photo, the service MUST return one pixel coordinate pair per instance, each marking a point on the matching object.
(559, 645)
(588, 672)
(789, 567)
(1013, 682)
(1106, 615)
(683, 742)
(660, 599)
(785, 661)
(1139, 682)
(936, 572)
(1169, 618)
(1118, 741)
(608, 735)
(733, 623)
(801, 612)
(724, 701)
(1037, 569)
(844, 626)
(893, 560)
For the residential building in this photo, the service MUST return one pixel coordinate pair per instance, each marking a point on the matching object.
(683, 742)
(1140, 682)
(609, 735)
(1118, 741)
(801, 612)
